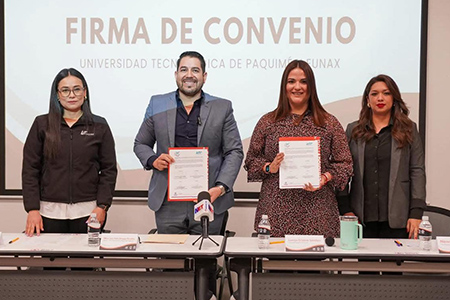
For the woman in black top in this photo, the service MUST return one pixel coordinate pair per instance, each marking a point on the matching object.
(387, 190)
(69, 162)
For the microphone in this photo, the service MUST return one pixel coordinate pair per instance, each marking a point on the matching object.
(329, 241)
(204, 211)
(199, 121)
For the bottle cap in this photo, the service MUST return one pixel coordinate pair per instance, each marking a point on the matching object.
(93, 215)
(424, 218)
(264, 217)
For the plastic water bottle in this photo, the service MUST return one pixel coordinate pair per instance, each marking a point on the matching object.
(94, 231)
(425, 230)
(264, 233)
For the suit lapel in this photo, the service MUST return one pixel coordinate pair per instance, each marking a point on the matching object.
(204, 113)
(396, 153)
(171, 119)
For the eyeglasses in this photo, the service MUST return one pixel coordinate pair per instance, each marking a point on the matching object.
(77, 91)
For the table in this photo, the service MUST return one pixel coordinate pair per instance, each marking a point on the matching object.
(279, 274)
(166, 270)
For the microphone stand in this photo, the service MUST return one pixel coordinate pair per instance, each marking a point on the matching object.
(205, 234)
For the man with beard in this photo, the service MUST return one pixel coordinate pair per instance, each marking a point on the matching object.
(189, 117)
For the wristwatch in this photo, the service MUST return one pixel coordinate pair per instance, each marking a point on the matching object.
(222, 190)
(105, 207)
(267, 168)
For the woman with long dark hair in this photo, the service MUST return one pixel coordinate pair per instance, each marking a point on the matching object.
(387, 190)
(309, 210)
(69, 162)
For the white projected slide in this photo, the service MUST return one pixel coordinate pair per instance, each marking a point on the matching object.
(127, 50)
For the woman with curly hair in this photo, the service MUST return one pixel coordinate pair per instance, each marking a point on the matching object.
(387, 190)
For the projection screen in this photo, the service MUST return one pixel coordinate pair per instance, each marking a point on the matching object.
(127, 50)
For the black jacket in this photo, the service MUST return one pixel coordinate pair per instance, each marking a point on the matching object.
(84, 170)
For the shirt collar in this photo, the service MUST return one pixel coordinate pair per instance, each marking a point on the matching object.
(81, 120)
(196, 102)
(391, 123)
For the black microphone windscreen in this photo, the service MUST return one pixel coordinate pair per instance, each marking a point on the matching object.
(203, 196)
(329, 241)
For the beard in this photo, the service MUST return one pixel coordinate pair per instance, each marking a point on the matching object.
(191, 91)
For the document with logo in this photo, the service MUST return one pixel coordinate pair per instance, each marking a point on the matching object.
(114, 241)
(313, 243)
(301, 164)
(188, 175)
(443, 244)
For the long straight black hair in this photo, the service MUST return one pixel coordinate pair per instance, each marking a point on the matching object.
(56, 111)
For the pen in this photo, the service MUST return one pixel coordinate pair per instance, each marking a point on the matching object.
(14, 240)
(398, 243)
(277, 242)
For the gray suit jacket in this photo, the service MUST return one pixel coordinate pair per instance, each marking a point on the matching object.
(218, 131)
(406, 180)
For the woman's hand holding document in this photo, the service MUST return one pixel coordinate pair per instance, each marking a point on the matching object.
(301, 164)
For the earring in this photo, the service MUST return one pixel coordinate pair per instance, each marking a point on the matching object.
(85, 97)
(368, 105)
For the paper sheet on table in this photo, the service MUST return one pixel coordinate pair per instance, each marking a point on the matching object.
(44, 241)
(301, 164)
(166, 238)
